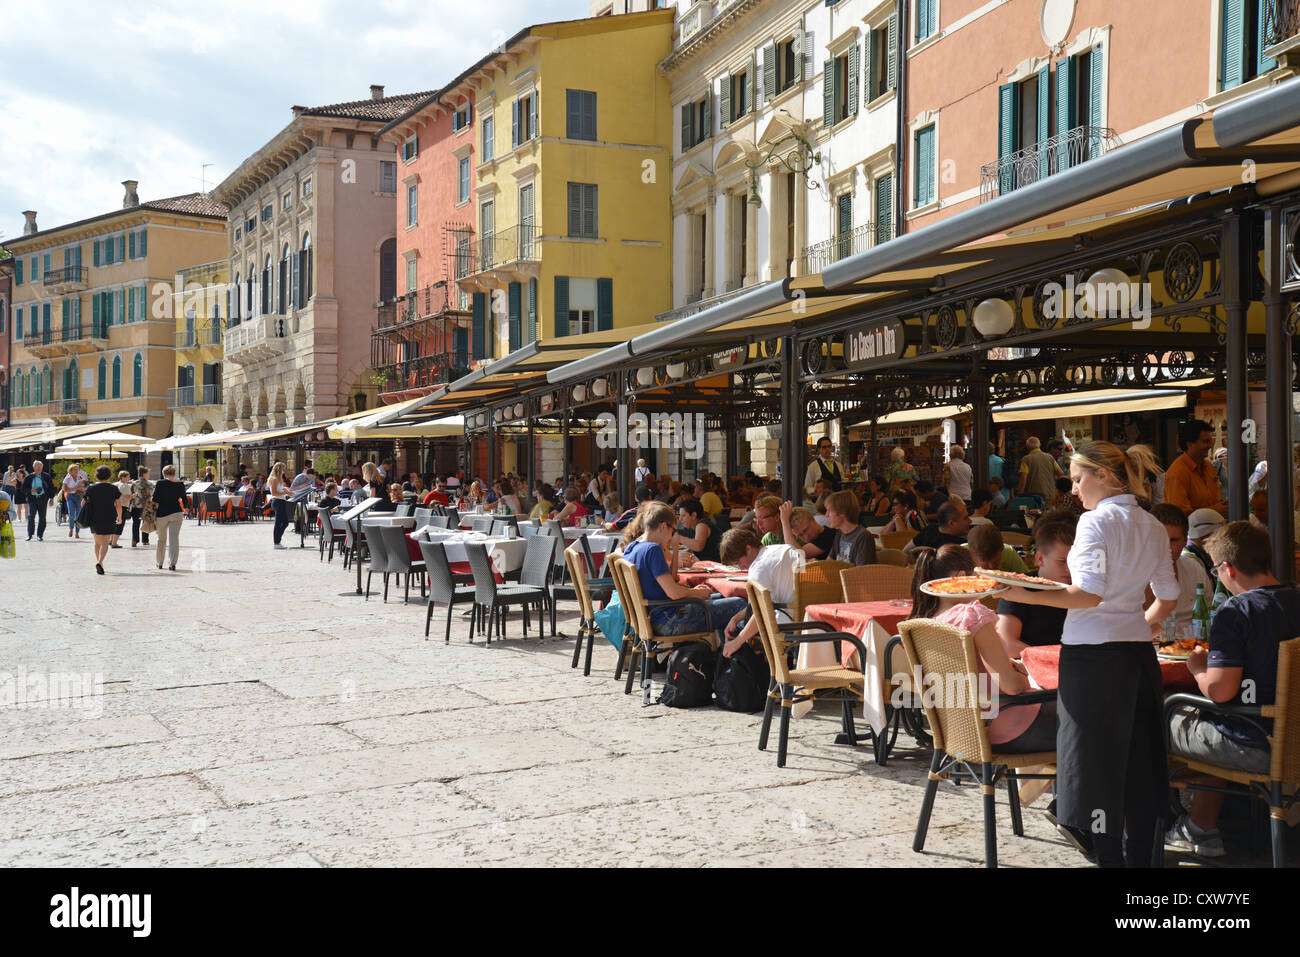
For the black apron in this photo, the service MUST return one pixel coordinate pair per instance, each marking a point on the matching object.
(1110, 747)
(831, 475)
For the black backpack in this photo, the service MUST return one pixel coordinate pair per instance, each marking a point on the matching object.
(690, 676)
(742, 681)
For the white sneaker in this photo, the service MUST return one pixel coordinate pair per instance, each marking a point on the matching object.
(1184, 836)
(281, 545)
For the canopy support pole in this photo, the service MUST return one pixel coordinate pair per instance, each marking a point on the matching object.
(979, 416)
(793, 433)
(1235, 356)
(627, 453)
(1278, 399)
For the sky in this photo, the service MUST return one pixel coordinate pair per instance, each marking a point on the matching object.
(92, 94)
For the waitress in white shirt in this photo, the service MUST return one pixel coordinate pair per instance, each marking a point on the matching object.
(1110, 751)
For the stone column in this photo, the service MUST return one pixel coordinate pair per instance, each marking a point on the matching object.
(751, 244)
(798, 183)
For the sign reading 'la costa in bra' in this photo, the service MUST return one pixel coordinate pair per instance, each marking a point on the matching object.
(869, 345)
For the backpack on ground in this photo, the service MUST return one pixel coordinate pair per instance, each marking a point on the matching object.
(690, 676)
(742, 680)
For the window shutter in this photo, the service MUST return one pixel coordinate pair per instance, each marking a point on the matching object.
(724, 101)
(533, 104)
(751, 86)
(121, 249)
(514, 307)
(130, 306)
(96, 313)
(869, 90)
(855, 73)
(769, 71)
(67, 315)
(844, 214)
(884, 208)
(575, 209)
(1066, 82)
(144, 302)
(800, 38)
(514, 124)
(1008, 95)
(572, 115)
(479, 314)
(589, 218)
(686, 127)
(892, 55)
(117, 377)
(828, 94)
(1094, 98)
(561, 306)
(1262, 63)
(18, 270)
(137, 375)
(1233, 60)
(296, 278)
(707, 129)
(132, 244)
(604, 303)
(925, 159)
(1044, 119)
(18, 323)
(144, 243)
(307, 255)
(531, 330)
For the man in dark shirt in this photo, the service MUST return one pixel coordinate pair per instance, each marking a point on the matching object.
(1019, 625)
(852, 542)
(1240, 667)
(39, 487)
(950, 529)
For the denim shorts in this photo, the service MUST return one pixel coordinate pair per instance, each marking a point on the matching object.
(694, 617)
(1194, 736)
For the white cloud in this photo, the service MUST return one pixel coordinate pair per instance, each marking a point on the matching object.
(91, 95)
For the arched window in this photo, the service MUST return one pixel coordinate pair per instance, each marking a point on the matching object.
(233, 311)
(266, 286)
(117, 377)
(248, 291)
(102, 379)
(282, 294)
(137, 375)
(74, 378)
(304, 270)
(47, 384)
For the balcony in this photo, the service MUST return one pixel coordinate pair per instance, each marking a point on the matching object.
(495, 259)
(818, 256)
(67, 279)
(199, 338)
(1281, 24)
(1044, 159)
(43, 344)
(423, 373)
(256, 339)
(188, 396)
(436, 301)
(67, 410)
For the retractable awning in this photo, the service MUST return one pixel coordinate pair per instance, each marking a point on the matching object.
(1100, 402)
(42, 435)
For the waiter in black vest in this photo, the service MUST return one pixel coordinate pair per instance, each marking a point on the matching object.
(823, 467)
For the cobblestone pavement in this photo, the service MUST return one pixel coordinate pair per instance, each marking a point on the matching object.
(255, 711)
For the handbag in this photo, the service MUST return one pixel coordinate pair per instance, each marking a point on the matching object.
(83, 517)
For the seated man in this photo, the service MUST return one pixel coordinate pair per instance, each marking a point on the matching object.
(330, 501)
(800, 528)
(1200, 525)
(995, 490)
(949, 528)
(709, 500)
(1240, 666)
(989, 551)
(821, 489)
(1022, 625)
(1187, 568)
(642, 494)
(981, 503)
(852, 543)
(772, 566)
(932, 498)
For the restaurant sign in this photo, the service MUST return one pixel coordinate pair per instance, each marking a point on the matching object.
(874, 344)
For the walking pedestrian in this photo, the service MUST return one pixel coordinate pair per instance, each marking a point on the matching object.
(123, 486)
(277, 493)
(20, 496)
(171, 502)
(9, 483)
(74, 487)
(143, 510)
(103, 506)
(38, 488)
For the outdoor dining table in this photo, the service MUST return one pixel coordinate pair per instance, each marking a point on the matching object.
(875, 622)
(405, 521)
(507, 554)
(1043, 662)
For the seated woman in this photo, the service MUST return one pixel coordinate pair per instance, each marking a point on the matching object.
(573, 510)
(658, 583)
(876, 500)
(906, 515)
(545, 504)
(474, 496)
(394, 499)
(1017, 730)
(696, 534)
(506, 493)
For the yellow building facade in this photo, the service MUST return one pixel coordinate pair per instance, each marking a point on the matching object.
(199, 302)
(94, 337)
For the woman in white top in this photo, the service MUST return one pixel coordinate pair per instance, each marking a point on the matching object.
(959, 474)
(277, 493)
(1110, 749)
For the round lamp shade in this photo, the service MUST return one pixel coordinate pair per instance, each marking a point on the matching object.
(1096, 292)
(676, 369)
(599, 387)
(645, 376)
(994, 317)
(519, 410)
(579, 393)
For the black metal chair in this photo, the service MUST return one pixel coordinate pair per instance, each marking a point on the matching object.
(481, 523)
(378, 558)
(443, 589)
(330, 535)
(539, 551)
(400, 561)
(494, 600)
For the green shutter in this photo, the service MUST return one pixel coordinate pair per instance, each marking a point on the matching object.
(725, 100)
(707, 129)
(800, 38)
(604, 304)
(1232, 64)
(144, 242)
(884, 208)
(18, 272)
(514, 303)
(96, 245)
(927, 161)
(561, 306)
(828, 93)
(1008, 98)
(1263, 63)
(1067, 72)
(843, 225)
(769, 71)
(531, 330)
(479, 314)
(102, 380)
(868, 75)
(854, 77)
(144, 303)
(1094, 99)
(67, 316)
(1044, 130)
(137, 375)
(132, 244)
(686, 127)
(130, 305)
(514, 124)
(95, 314)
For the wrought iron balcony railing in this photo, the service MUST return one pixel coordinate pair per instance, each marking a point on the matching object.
(186, 396)
(65, 407)
(818, 256)
(1045, 158)
(209, 335)
(64, 276)
(422, 373)
(431, 302)
(515, 244)
(1281, 21)
(35, 339)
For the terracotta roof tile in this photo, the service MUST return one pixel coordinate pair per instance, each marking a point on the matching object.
(198, 204)
(389, 108)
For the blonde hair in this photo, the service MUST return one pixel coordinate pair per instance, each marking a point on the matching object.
(897, 455)
(368, 470)
(800, 516)
(957, 452)
(277, 471)
(1131, 468)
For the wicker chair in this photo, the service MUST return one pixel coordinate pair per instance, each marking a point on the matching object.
(777, 644)
(945, 658)
(587, 629)
(897, 539)
(628, 651)
(637, 609)
(818, 583)
(1278, 788)
(876, 582)
(891, 556)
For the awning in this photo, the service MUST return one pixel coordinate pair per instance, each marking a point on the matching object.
(204, 440)
(43, 435)
(432, 428)
(907, 416)
(1100, 402)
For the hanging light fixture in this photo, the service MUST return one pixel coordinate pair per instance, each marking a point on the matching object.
(519, 410)
(993, 317)
(1089, 292)
(579, 393)
(645, 376)
(599, 388)
(676, 369)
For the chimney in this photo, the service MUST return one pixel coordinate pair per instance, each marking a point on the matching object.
(30, 228)
(298, 110)
(376, 91)
(130, 199)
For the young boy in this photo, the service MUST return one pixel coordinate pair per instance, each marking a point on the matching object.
(1187, 567)
(1020, 626)
(1241, 665)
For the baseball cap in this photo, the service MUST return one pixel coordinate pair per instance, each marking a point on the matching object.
(1202, 522)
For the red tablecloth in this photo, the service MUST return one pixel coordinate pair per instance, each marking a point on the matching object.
(854, 617)
(1043, 662)
(457, 568)
(727, 588)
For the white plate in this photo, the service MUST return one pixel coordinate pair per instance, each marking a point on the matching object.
(1006, 579)
(971, 596)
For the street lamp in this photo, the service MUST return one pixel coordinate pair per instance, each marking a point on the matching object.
(802, 158)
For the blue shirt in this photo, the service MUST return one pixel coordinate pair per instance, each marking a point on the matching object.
(1245, 633)
(648, 559)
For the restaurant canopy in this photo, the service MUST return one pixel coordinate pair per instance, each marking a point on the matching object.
(43, 436)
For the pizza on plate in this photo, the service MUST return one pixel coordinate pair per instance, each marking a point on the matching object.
(962, 585)
(1019, 577)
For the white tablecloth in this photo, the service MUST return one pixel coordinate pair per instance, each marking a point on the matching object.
(405, 521)
(228, 497)
(507, 553)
